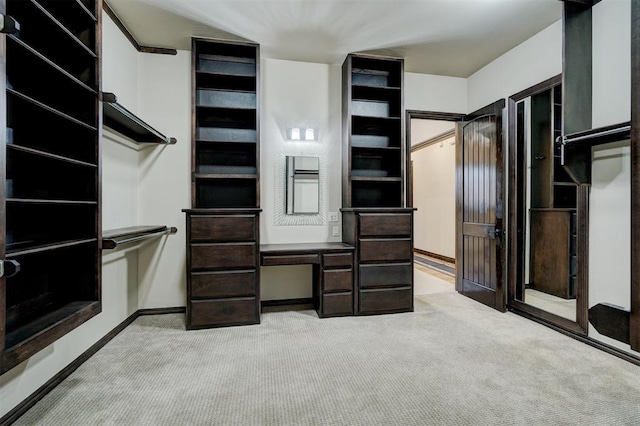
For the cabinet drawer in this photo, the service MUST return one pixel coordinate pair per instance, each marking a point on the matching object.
(385, 250)
(337, 304)
(337, 260)
(223, 228)
(223, 256)
(385, 224)
(372, 276)
(337, 280)
(221, 312)
(210, 285)
(386, 301)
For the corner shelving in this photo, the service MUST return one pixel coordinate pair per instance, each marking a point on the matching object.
(123, 121)
(51, 173)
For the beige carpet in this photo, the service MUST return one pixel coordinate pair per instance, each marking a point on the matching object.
(452, 362)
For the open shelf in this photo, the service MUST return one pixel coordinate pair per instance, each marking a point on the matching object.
(133, 234)
(376, 192)
(223, 192)
(75, 17)
(225, 99)
(123, 121)
(49, 155)
(223, 81)
(49, 109)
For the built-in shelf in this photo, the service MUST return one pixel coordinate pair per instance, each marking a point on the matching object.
(123, 121)
(49, 109)
(116, 237)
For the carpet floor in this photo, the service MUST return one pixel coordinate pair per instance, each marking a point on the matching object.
(451, 362)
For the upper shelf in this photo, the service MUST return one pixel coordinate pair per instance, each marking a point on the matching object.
(125, 122)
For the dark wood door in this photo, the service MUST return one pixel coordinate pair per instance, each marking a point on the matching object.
(479, 212)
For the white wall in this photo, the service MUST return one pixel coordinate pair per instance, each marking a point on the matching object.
(610, 219)
(527, 64)
(434, 197)
(120, 269)
(425, 92)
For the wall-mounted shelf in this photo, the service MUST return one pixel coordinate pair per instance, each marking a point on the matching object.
(116, 237)
(576, 148)
(123, 121)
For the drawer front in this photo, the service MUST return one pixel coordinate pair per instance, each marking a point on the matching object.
(385, 250)
(221, 312)
(337, 280)
(386, 301)
(385, 224)
(211, 285)
(372, 276)
(223, 228)
(337, 260)
(223, 256)
(337, 304)
(303, 259)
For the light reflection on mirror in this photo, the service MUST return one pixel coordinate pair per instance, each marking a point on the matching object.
(302, 186)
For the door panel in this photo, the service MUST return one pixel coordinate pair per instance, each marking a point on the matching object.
(479, 171)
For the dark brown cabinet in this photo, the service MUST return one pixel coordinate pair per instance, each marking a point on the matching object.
(375, 216)
(51, 174)
(222, 228)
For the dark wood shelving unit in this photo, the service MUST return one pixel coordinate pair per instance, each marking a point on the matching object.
(113, 238)
(223, 226)
(123, 121)
(375, 216)
(51, 174)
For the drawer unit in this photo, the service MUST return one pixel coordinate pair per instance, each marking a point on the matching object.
(389, 275)
(223, 312)
(336, 304)
(385, 250)
(337, 260)
(223, 256)
(223, 228)
(209, 285)
(385, 224)
(222, 268)
(386, 300)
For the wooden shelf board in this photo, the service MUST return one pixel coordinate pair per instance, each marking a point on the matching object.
(210, 107)
(224, 142)
(226, 74)
(375, 179)
(227, 58)
(50, 109)
(375, 117)
(27, 339)
(121, 120)
(381, 148)
(49, 62)
(49, 155)
(370, 86)
(64, 29)
(48, 201)
(224, 176)
(48, 247)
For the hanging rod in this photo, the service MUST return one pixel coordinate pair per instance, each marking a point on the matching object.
(116, 237)
(599, 136)
(120, 119)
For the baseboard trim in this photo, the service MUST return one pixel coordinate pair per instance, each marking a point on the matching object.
(434, 255)
(284, 302)
(162, 311)
(41, 392)
(584, 339)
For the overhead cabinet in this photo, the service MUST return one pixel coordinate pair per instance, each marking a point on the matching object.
(50, 232)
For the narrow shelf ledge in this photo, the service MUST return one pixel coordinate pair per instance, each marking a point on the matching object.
(115, 237)
(123, 121)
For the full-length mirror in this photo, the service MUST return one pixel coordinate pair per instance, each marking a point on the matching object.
(303, 185)
(546, 207)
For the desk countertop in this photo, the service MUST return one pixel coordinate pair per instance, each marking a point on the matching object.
(305, 248)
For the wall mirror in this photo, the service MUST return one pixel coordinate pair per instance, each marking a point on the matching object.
(302, 185)
(546, 209)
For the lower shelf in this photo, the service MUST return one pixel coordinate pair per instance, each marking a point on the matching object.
(29, 338)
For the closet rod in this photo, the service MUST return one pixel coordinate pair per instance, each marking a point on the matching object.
(599, 136)
(137, 234)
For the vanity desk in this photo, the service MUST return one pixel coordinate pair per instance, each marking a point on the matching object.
(332, 272)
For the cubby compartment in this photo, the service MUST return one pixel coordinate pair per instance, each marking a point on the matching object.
(226, 158)
(225, 193)
(59, 45)
(51, 286)
(226, 125)
(31, 176)
(52, 87)
(369, 71)
(226, 58)
(71, 140)
(375, 132)
(225, 82)
(373, 102)
(79, 20)
(225, 98)
(375, 163)
(372, 193)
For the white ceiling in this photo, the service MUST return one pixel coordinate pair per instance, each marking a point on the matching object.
(444, 37)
